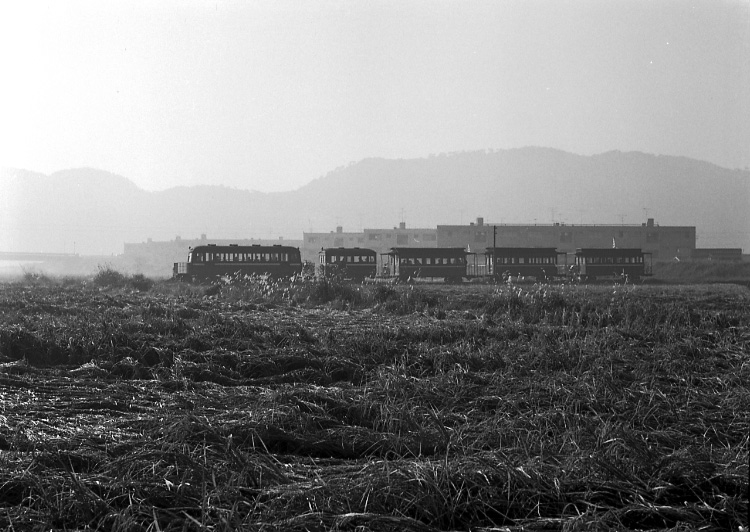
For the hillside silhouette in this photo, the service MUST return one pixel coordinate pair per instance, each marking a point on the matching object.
(94, 212)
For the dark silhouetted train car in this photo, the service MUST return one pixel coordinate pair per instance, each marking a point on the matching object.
(411, 263)
(626, 263)
(539, 263)
(351, 263)
(210, 261)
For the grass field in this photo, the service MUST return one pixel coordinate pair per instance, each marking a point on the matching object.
(132, 405)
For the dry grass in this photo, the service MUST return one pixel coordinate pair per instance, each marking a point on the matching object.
(295, 407)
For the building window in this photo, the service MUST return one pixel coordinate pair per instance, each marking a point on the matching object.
(402, 240)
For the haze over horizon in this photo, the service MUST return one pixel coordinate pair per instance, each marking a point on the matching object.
(270, 96)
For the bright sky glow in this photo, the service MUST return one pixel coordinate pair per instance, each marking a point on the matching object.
(271, 95)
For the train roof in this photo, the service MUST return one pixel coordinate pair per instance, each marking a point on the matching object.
(428, 252)
(610, 252)
(349, 251)
(526, 251)
(234, 248)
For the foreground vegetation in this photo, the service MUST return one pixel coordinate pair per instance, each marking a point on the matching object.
(317, 405)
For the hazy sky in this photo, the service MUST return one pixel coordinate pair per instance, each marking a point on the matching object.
(270, 95)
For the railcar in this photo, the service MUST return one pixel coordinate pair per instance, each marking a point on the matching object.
(410, 263)
(211, 261)
(356, 264)
(538, 263)
(622, 263)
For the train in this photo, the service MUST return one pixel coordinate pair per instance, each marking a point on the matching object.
(453, 265)
(355, 264)
(211, 261)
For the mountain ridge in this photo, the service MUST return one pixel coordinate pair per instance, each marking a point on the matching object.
(99, 210)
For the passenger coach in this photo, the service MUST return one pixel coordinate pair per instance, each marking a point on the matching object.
(539, 263)
(446, 263)
(352, 263)
(210, 261)
(630, 263)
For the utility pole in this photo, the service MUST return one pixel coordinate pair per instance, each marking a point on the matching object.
(494, 245)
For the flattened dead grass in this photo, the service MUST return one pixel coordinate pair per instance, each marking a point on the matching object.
(493, 408)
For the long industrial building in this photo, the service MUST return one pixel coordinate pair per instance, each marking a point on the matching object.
(663, 242)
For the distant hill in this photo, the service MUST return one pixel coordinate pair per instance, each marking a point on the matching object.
(96, 211)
